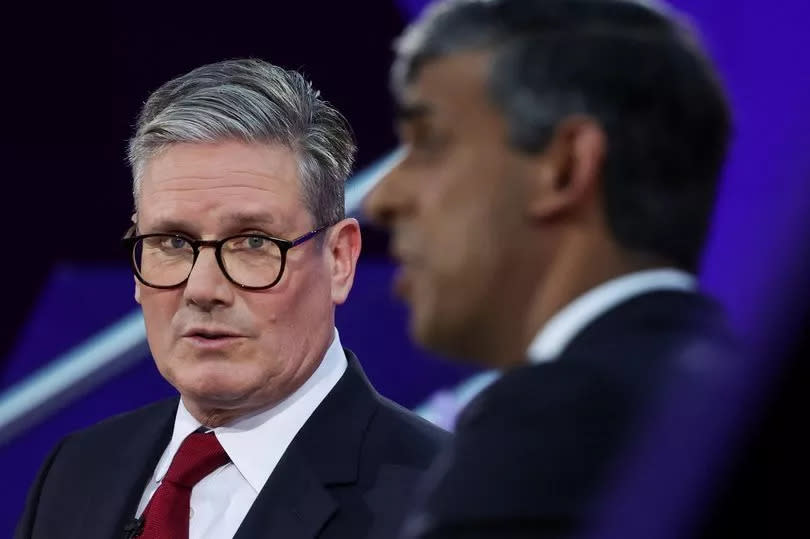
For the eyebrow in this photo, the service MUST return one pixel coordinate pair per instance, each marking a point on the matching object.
(230, 220)
(408, 112)
(165, 225)
(247, 219)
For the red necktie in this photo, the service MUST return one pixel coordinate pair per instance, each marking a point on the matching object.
(167, 515)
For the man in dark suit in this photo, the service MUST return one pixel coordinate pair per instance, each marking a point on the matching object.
(241, 251)
(559, 166)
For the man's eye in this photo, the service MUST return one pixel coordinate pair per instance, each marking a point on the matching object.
(174, 242)
(255, 242)
(428, 142)
(249, 243)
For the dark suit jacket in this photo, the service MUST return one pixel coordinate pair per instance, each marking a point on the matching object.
(533, 450)
(349, 472)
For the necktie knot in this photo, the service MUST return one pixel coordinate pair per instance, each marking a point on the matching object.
(166, 516)
(198, 455)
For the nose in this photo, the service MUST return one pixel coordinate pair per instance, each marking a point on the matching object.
(207, 287)
(389, 198)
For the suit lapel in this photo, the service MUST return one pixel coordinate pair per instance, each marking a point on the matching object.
(116, 483)
(296, 503)
(293, 503)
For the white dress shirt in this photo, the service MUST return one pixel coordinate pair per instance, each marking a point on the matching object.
(571, 319)
(255, 444)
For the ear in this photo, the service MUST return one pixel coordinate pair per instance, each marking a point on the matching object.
(343, 244)
(134, 219)
(568, 172)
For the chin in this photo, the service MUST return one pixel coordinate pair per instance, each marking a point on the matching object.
(215, 383)
(218, 395)
(434, 336)
(444, 335)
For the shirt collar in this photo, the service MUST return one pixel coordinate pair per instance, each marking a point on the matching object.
(571, 319)
(255, 443)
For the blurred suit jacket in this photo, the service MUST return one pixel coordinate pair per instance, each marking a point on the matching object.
(349, 472)
(534, 449)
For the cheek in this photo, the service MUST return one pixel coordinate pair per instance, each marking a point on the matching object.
(460, 197)
(466, 235)
(460, 235)
(160, 303)
(290, 310)
(159, 308)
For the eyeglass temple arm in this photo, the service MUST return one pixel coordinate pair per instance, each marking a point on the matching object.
(308, 235)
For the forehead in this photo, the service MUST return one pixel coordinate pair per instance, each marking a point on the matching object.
(201, 183)
(449, 87)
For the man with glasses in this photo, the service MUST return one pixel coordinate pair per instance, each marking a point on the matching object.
(240, 251)
(559, 167)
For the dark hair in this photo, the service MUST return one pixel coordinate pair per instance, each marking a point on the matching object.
(638, 71)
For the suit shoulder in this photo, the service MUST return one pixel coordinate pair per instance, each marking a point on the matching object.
(393, 433)
(124, 424)
(404, 434)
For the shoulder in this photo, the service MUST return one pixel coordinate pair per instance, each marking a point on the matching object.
(110, 446)
(632, 349)
(401, 432)
(116, 430)
(358, 422)
(390, 432)
(659, 322)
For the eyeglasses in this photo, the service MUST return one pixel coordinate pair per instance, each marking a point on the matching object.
(250, 261)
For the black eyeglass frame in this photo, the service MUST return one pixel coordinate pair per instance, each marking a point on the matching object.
(130, 240)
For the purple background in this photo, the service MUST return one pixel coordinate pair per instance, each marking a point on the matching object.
(74, 81)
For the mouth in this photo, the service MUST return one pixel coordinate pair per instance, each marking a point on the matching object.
(402, 257)
(402, 281)
(211, 339)
(407, 262)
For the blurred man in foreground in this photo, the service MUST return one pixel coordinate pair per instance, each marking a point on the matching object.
(241, 251)
(560, 164)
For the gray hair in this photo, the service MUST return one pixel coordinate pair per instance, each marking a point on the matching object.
(251, 101)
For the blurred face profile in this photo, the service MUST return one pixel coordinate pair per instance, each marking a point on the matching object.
(223, 347)
(452, 204)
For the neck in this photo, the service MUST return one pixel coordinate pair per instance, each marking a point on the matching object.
(214, 418)
(214, 411)
(579, 265)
